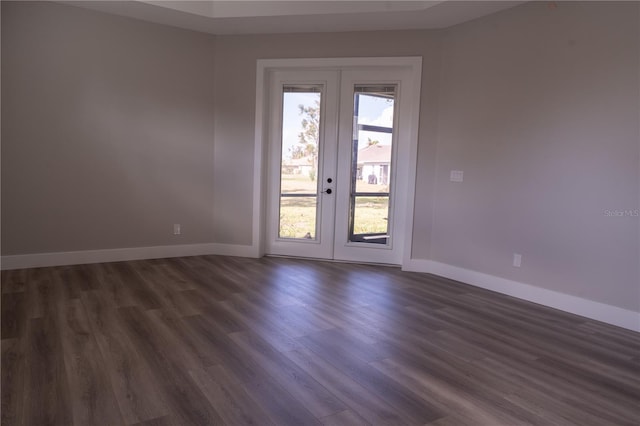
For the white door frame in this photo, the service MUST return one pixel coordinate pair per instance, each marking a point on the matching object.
(260, 178)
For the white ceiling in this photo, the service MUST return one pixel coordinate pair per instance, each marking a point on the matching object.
(295, 16)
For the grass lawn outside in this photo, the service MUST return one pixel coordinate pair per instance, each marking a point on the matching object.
(303, 185)
(298, 214)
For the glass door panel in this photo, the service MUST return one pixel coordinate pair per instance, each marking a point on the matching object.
(373, 117)
(299, 191)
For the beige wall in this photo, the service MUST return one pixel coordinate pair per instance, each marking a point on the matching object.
(108, 137)
(107, 131)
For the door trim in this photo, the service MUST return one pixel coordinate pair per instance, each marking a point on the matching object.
(260, 178)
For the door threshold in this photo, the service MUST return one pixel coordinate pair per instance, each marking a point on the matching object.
(280, 256)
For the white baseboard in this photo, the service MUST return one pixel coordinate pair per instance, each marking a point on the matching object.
(234, 250)
(117, 255)
(576, 305)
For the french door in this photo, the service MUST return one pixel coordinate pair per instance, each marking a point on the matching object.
(337, 158)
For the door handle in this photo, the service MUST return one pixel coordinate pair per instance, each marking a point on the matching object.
(327, 191)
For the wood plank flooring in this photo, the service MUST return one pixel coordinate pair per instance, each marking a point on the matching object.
(214, 340)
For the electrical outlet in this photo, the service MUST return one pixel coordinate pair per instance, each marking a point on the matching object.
(517, 260)
(176, 229)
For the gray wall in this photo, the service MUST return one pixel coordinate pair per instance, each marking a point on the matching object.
(107, 131)
(540, 109)
(108, 137)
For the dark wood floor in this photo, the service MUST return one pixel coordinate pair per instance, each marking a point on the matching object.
(221, 340)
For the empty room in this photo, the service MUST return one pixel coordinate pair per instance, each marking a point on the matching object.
(320, 213)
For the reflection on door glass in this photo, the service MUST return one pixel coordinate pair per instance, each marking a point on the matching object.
(299, 162)
(371, 172)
